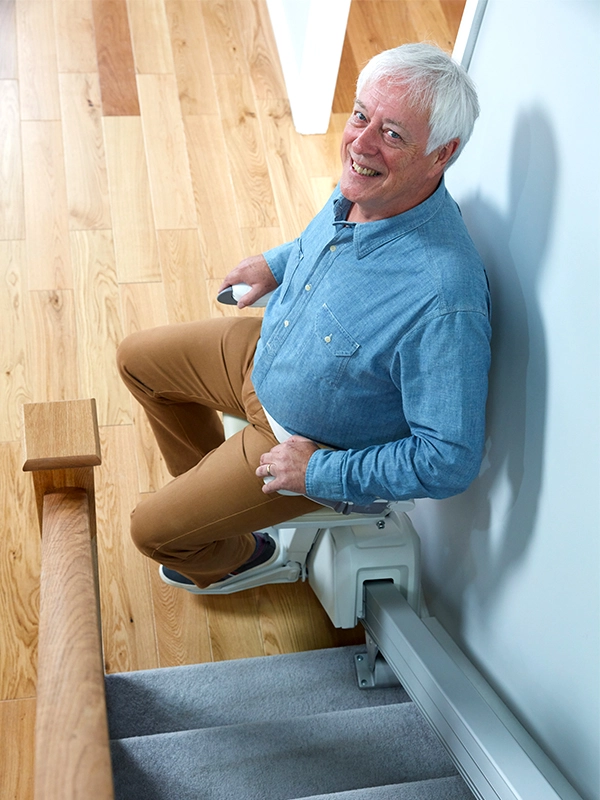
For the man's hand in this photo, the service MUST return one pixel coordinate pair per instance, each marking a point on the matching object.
(287, 463)
(256, 273)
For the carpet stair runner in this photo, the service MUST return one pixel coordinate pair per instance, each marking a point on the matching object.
(277, 728)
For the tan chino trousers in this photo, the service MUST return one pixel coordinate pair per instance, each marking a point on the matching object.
(200, 523)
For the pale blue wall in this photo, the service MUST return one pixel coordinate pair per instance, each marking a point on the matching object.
(512, 567)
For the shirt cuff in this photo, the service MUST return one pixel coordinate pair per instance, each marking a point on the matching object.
(277, 259)
(324, 475)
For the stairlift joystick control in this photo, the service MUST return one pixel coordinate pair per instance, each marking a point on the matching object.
(231, 295)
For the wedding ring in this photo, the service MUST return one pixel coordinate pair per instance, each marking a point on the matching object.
(269, 470)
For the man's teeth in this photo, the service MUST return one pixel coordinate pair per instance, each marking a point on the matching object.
(363, 170)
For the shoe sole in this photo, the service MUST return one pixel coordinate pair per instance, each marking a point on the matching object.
(193, 589)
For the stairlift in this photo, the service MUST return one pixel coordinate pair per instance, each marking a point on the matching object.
(336, 552)
(366, 567)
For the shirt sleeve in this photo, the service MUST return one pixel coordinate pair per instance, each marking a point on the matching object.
(441, 372)
(277, 259)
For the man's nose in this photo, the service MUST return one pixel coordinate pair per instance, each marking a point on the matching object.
(366, 141)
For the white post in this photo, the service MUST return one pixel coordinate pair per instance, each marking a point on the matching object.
(310, 37)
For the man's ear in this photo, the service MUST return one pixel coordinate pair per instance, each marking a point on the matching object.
(446, 152)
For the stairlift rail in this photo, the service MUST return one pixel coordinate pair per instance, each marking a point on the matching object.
(496, 756)
(72, 754)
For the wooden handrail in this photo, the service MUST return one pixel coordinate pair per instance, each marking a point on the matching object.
(72, 752)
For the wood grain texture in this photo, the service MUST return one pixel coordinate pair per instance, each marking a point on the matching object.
(115, 58)
(136, 249)
(183, 275)
(221, 18)
(74, 22)
(17, 718)
(52, 346)
(182, 628)
(168, 164)
(72, 754)
(234, 625)
(291, 185)
(61, 435)
(13, 374)
(246, 152)
(293, 620)
(430, 23)
(321, 153)
(98, 324)
(19, 577)
(216, 207)
(258, 240)
(322, 189)
(150, 36)
(12, 210)
(38, 69)
(8, 38)
(453, 11)
(127, 613)
(191, 57)
(85, 162)
(46, 214)
(256, 35)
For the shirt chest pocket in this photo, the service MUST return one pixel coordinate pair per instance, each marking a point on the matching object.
(333, 346)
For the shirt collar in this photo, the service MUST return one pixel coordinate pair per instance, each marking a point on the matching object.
(368, 236)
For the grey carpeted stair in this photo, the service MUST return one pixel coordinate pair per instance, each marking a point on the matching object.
(452, 788)
(276, 728)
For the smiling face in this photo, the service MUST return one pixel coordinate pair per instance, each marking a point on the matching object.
(384, 167)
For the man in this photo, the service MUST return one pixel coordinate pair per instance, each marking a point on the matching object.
(368, 376)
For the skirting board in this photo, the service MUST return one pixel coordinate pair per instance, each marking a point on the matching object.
(468, 31)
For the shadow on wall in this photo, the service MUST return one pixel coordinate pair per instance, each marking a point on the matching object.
(474, 540)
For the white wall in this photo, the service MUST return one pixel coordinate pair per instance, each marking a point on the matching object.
(512, 567)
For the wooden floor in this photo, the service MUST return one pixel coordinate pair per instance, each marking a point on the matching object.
(146, 146)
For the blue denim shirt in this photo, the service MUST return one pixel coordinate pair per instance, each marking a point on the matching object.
(376, 343)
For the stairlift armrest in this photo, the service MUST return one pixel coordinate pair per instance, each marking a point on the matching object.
(379, 508)
(269, 478)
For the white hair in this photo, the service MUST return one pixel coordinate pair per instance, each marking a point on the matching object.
(435, 83)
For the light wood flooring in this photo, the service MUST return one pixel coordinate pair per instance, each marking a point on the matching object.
(146, 146)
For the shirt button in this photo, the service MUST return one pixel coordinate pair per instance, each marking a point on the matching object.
(286, 323)
(328, 339)
(333, 248)
(308, 287)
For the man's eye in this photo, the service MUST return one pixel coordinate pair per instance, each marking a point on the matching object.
(394, 135)
(358, 115)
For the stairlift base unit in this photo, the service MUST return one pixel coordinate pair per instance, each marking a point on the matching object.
(344, 558)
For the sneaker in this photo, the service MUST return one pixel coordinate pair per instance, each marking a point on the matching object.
(265, 552)
(174, 578)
